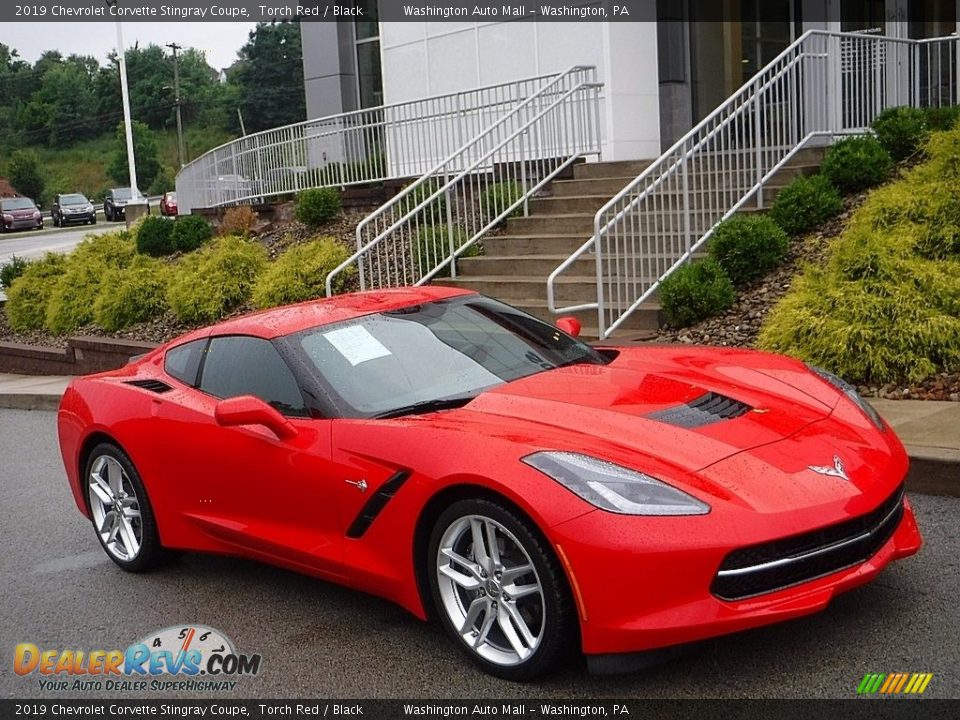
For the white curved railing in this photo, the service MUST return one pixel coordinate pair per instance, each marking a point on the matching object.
(422, 231)
(389, 141)
(825, 84)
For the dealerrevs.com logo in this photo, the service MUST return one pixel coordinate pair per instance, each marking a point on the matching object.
(177, 658)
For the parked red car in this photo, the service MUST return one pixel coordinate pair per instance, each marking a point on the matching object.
(19, 213)
(476, 465)
(168, 204)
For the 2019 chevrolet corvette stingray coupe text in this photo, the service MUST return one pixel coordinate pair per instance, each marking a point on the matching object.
(474, 464)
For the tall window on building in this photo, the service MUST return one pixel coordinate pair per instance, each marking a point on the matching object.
(367, 40)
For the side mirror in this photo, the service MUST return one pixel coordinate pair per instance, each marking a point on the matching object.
(249, 410)
(570, 325)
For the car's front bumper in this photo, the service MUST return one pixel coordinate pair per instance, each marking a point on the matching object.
(632, 601)
(77, 217)
(23, 224)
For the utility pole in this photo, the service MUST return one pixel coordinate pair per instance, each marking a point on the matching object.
(176, 92)
(128, 127)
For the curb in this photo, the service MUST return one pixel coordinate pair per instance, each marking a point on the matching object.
(29, 401)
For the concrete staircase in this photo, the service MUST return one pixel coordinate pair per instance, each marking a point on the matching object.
(515, 264)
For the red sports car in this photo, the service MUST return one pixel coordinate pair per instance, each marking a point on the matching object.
(474, 464)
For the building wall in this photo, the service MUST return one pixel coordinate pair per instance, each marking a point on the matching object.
(423, 59)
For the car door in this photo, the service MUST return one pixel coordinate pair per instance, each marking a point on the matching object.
(248, 489)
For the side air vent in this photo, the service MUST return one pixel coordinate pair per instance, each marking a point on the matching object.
(154, 386)
(706, 409)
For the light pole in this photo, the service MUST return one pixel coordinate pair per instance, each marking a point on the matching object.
(127, 125)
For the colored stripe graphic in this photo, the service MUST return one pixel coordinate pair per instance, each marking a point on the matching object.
(894, 683)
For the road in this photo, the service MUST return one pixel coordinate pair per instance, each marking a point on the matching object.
(58, 590)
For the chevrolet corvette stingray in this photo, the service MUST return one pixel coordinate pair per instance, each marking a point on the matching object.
(476, 465)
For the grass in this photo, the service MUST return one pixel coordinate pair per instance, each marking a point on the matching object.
(82, 167)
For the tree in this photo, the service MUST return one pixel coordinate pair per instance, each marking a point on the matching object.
(25, 174)
(269, 76)
(145, 152)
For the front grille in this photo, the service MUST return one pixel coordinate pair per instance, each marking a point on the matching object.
(708, 408)
(779, 564)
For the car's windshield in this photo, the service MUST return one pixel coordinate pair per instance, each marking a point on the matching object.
(171, 197)
(17, 204)
(74, 199)
(454, 348)
(122, 194)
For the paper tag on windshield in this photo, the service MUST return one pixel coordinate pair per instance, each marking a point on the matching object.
(356, 344)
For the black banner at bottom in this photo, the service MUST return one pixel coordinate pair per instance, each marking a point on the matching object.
(859, 709)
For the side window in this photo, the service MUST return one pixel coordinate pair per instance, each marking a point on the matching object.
(183, 361)
(240, 365)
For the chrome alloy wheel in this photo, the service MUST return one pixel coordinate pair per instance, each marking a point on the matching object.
(115, 508)
(490, 590)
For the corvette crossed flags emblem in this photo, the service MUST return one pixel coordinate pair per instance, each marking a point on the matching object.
(836, 471)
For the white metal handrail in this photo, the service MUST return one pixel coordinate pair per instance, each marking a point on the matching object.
(824, 85)
(370, 145)
(421, 232)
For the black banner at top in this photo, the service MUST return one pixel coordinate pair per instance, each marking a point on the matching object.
(402, 11)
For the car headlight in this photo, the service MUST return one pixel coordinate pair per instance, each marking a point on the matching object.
(851, 392)
(614, 488)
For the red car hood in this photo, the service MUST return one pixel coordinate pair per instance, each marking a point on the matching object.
(617, 404)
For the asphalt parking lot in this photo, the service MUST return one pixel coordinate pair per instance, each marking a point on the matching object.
(58, 590)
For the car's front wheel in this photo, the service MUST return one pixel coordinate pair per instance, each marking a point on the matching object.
(499, 590)
(120, 510)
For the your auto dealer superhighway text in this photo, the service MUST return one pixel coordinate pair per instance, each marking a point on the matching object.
(164, 11)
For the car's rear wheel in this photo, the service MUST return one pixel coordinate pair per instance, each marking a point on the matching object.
(120, 510)
(499, 590)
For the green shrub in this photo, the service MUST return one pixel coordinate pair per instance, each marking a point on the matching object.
(316, 206)
(208, 284)
(941, 118)
(190, 232)
(301, 274)
(72, 300)
(435, 211)
(433, 246)
(29, 294)
(499, 196)
(10, 271)
(806, 203)
(696, 291)
(155, 236)
(132, 295)
(856, 163)
(901, 130)
(748, 247)
(886, 305)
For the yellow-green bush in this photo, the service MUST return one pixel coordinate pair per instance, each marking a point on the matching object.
(73, 298)
(887, 304)
(132, 294)
(211, 282)
(301, 274)
(29, 294)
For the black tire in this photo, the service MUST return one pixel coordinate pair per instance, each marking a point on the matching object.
(557, 616)
(150, 553)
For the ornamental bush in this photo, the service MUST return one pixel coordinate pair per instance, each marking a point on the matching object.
(72, 301)
(29, 294)
(208, 284)
(499, 196)
(316, 206)
(942, 118)
(696, 291)
(432, 246)
(301, 274)
(11, 270)
(238, 221)
(132, 295)
(190, 232)
(856, 163)
(901, 130)
(748, 247)
(155, 236)
(806, 203)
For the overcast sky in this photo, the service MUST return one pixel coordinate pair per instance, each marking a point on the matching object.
(220, 40)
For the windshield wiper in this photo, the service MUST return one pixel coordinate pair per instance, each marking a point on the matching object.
(425, 406)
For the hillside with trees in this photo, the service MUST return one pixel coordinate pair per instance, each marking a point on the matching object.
(60, 116)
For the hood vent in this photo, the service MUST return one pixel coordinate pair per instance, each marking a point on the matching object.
(155, 386)
(706, 409)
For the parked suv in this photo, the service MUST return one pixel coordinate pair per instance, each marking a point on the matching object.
(72, 208)
(115, 203)
(19, 213)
